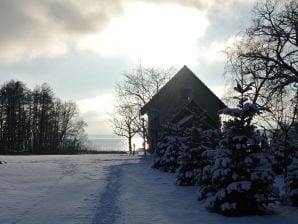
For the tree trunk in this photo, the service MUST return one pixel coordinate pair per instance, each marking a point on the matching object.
(144, 136)
(129, 145)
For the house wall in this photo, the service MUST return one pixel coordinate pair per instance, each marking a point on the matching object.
(167, 103)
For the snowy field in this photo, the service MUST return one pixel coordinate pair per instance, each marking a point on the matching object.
(104, 189)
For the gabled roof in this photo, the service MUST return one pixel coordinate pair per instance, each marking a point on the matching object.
(182, 73)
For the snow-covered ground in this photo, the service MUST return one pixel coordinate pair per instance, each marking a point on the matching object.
(104, 189)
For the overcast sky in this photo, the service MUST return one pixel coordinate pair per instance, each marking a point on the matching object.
(82, 47)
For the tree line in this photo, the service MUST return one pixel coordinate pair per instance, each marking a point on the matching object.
(36, 122)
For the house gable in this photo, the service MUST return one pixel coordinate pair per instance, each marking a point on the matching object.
(177, 93)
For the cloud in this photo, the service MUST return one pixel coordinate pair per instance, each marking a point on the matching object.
(40, 27)
(49, 28)
(95, 113)
(204, 5)
(82, 47)
(101, 104)
(145, 32)
(215, 51)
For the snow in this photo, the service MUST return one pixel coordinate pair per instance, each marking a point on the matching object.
(238, 146)
(105, 189)
(228, 206)
(225, 162)
(239, 186)
(239, 138)
(250, 141)
(248, 160)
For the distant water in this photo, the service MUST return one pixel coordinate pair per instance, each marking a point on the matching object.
(107, 143)
(111, 143)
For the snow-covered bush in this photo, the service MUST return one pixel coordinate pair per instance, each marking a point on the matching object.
(291, 180)
(167, 150)
(196, 127)
(191, 160)
(204, 175)
(182, 142)
(241, 176)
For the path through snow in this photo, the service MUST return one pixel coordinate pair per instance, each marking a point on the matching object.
(104, 189)
(107, 207)
(53, 189)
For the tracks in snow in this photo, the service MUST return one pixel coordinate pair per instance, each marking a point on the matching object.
(107, 207)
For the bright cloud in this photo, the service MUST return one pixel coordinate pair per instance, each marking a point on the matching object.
(215, 52)
(81, 47)
(135, 28)
(156, 34)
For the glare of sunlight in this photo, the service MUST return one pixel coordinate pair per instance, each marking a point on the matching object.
(156, 34)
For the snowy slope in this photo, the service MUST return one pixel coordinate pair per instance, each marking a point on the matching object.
(52, 189)
(150, 196)
(104, 189)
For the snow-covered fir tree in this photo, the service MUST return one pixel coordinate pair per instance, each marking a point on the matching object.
(180, 138)
(191, 158)
(242, 176)
(204, 179)
(291, 180)
(167, 149)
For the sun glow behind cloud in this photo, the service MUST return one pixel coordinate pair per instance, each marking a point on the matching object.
(82, 47)
(155, 34)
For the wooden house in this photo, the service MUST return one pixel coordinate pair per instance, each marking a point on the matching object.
(183, 88)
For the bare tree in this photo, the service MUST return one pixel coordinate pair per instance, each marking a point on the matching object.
(133, 92)
(272, 42)
(124, 121)
(282, 118)
(267, 53)
(142, 83)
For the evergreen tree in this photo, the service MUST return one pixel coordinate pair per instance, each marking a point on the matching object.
(242, 177)
(167, 150)
(192, 159)
(291, 180)
(204, 178)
